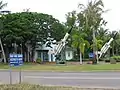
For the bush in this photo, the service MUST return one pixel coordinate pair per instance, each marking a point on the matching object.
(117, 58)
(108, 59)
(38, 60)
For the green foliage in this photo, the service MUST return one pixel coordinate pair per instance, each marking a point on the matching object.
(89, 19)
(27, 28)
(115, 58)
(71, 18)
(79, 41)
(108, 59)
(99, 44)
(38, 60)
(33, 27)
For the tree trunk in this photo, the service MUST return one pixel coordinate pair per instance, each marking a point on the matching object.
(7, 53)
(3, 52)
(116, 51)
(15, 47)
(80, 58)
(94, 48)
(78, 53)
(113, 48)
(32, 55)
(24, 51)
(97, 56)
(28, 59)
(108, 53)
(25, 56)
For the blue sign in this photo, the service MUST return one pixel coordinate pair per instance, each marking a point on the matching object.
(16, 59)
(91, 55)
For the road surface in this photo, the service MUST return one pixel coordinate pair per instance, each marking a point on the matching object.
(82, 79)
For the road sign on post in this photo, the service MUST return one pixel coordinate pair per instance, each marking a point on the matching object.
(15, 60)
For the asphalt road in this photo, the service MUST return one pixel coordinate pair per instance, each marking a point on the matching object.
(82, 79)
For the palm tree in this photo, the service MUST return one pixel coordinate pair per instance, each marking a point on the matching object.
(116, 43)
(101, 38)
(93, 19)
(80, 43)
(92, 13)
(102, 34)
(99, 44)
(111, 33)
(2, 5)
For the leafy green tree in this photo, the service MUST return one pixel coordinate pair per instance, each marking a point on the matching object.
(80, 43)
(117, 43)
(93, 16)
(27, 28)
(114, 43)
(99, 44)
(90, 21)
(71, 19)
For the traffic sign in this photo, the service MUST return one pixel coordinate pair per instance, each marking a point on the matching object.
(16, 59)
(91, 55)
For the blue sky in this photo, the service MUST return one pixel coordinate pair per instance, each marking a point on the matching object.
(58, 8)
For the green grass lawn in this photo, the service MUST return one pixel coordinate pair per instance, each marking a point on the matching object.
(39, 67)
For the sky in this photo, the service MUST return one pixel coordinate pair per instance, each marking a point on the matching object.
(58, 8)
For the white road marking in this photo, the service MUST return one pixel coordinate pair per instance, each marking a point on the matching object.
(42, 77)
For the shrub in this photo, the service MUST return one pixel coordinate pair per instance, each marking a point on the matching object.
(38, 60)
(108, 59)
(117, 58)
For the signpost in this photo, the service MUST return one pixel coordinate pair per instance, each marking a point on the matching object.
(91, 55)
(16, 60)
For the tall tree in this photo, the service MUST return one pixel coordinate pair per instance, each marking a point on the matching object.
(117, 43)
(80, 43)
(27, 28)
(93, 18)
(90, 21)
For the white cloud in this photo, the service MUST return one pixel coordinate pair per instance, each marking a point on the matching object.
(58, 8)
